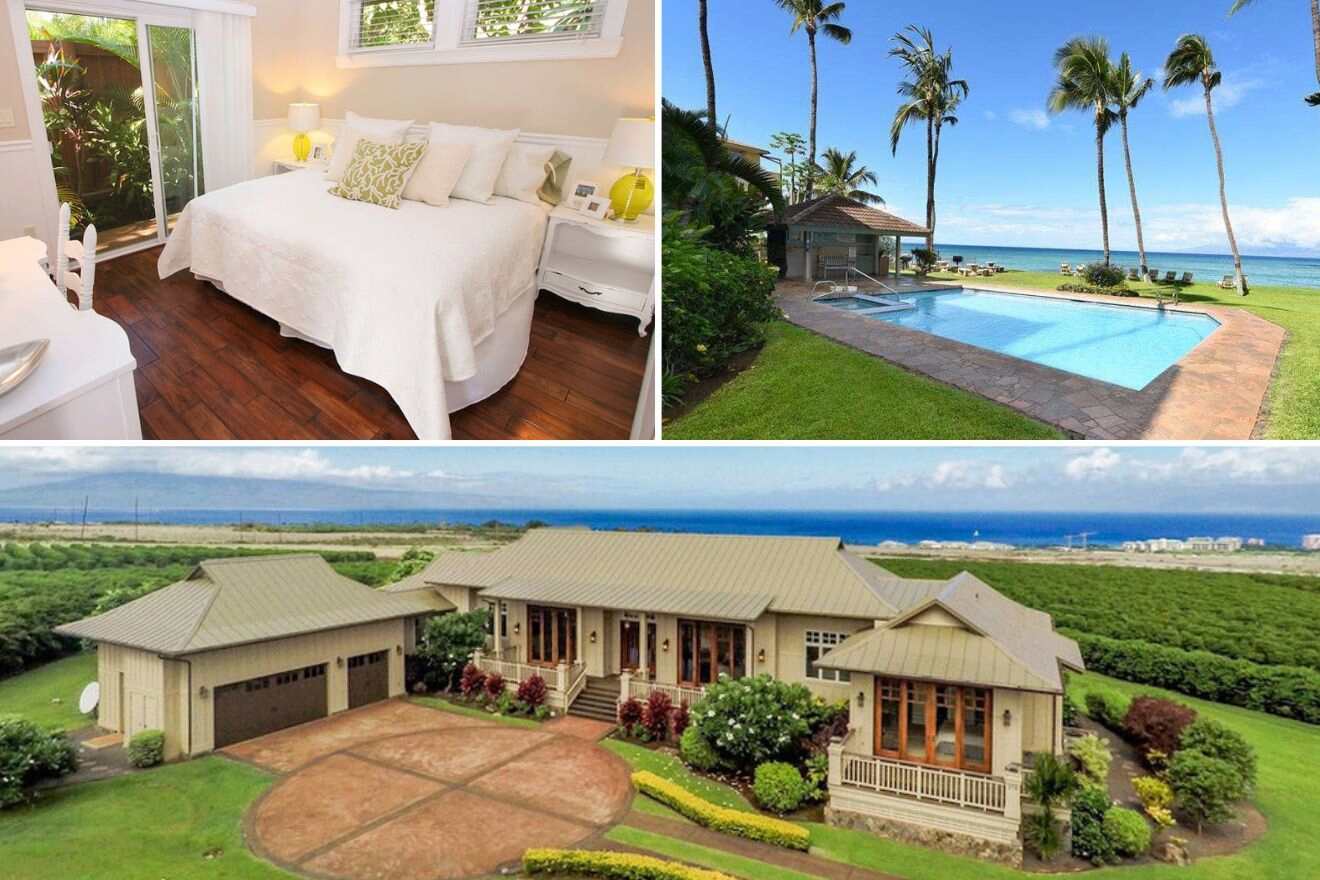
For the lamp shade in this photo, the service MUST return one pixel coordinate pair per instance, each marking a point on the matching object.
(304, 117)
(632, 144)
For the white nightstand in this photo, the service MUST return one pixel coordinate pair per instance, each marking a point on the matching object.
(600, 263)
(280, 166)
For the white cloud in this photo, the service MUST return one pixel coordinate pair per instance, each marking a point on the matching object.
(991, 115)
(1229, 94)
(1036, 119)
(968, 475)
(1094, 464)
(266, 464)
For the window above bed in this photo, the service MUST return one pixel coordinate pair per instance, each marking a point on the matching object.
(376, 33)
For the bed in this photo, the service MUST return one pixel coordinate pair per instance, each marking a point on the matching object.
(433, 304)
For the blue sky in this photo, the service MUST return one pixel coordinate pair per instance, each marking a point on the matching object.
(1009, 173)
(1274, 479)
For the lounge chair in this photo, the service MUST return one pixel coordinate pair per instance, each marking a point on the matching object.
(1227, 282)
(1065, 269)
(1170, 277)
(1132, 274)
(1186, 278)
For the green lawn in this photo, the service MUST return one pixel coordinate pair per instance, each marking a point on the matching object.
(447, 706)
(1294, 401)
(30, 695)
(179, 821)
(805, 387)
(706, 857)
(671, 768)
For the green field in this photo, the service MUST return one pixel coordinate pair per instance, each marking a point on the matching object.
(1265, 618)
(32, 694)
(805, 387)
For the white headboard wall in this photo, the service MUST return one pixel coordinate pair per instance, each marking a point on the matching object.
(274, 141)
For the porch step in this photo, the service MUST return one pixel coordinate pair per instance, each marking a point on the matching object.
(598, 700)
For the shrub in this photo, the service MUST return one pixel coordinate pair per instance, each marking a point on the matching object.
(146, 749)
(924, 260)
(1156, 799)
(716, 303)
(507, 704)
(1050, 782)
(447, 644)
(28, 755)
(655, 715)
(471, 681)
(613, 865)
(749, 721)
(1107, 706)
(630, 712)
(779, 787)
(1070, 711)
(1127, 831)
(1103, 275)
(1217, 740)
(494, 685)
(532, 691)
(1204, 788)
(818, 774)
(696, 752)
(722, 819)
(1156, 723)
(1041, 832)
(1069, 287)
(1088, 834)
(1092, 753)
(680, 719)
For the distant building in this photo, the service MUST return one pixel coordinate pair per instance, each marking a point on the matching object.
(1199, 545)
(1228, 545)
(1255, 542)
(1311, 542)
(747, 151)
(1165, 545)
(1195, 545)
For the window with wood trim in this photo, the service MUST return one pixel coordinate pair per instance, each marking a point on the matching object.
(928, 723)
(551, 635)
(708, 650)
(818, 644)
(387, 24)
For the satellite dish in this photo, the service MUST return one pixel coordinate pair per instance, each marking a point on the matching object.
(91, 695)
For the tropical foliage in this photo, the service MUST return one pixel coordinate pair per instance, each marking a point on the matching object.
(790, 144)
(841, 175)
(815, 17)
(28, 755)
(1085, 83)
(446, 645)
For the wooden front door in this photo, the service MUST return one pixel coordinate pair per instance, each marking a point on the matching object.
(929, 723)
(630, 646)
(706, 650)
(551, 635)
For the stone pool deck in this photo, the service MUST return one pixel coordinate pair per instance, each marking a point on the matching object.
(1215, 392)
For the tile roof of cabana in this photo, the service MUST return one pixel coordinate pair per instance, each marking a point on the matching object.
(840, 211)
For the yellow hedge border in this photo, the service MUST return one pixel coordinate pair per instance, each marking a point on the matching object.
(617, 865)
(750, 825)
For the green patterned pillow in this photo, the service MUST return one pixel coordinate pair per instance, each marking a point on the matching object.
(377, 173)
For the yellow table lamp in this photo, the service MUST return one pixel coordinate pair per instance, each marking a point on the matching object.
(302, 119)
(632, 145)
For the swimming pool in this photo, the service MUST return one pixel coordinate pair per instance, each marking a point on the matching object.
(1123, 345)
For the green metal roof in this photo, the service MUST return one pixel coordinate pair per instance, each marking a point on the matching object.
(228, 602)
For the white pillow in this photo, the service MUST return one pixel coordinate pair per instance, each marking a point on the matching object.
(382, 131)
(437, 173)
(490, 147)
(524, 172)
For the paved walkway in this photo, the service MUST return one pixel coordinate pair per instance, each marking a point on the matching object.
(441, 796)
(793, 860)
(1214, 393)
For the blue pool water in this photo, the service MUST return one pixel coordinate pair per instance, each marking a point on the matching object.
(1123, 345)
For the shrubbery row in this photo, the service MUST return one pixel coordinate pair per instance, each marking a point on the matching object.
(736, 822)
(1292, 692)
(614, 865)
(51, 557)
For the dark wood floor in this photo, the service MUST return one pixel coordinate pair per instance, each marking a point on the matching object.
(211, 368)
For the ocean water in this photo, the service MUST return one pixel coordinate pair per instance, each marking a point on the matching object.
(1118, 344)
(1282, 271)
(1028, 529)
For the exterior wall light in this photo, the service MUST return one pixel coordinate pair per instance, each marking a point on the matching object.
(339, 661)
(203, 692)
(1008, 718)
(517, 627)
(593, 637)
(861, 699)
(760, 656)
(664, 646)
(398, 649)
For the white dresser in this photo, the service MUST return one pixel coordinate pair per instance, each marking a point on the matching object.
(83, 387)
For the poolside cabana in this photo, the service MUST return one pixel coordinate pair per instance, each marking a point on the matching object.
(820, 237)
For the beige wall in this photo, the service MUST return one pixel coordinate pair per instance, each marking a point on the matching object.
(11, 91)
(294, 46)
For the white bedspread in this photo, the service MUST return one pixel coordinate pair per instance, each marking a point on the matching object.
(403, 297)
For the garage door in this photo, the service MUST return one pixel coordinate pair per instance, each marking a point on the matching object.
(272, 702)
(368, 678)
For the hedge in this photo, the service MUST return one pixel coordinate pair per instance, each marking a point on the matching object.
(620, 865)
(722, 819)
(147, 748)
(1289, 691)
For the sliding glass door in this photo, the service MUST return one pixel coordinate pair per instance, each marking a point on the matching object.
(116, 84)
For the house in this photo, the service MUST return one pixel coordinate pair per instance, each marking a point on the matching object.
(1199, 545)
(1228, 544)
(746, 151)
(821, 236)
(951, 685)
(247, 646)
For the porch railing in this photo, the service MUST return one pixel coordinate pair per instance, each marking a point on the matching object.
(631, 687)
(564, 681)
(959, 788)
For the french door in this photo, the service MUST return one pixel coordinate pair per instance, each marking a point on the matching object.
(927, 723)
(551, 635)
(706, 650)
(630, 646)
(113, 98)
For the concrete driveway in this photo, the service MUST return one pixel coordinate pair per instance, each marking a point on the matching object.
(400, 791)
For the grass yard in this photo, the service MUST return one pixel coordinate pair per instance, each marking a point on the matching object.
(671, 768)
(805, 387)
(1294, 399)
(178, 821)
(31, 694)
(448, 706)
(706, 857)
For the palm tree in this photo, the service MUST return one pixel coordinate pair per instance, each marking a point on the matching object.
(815, 16)
(840, 176)
(1084, 84)
(1313, 100)
(677, 124)
(790, 144)
(1129, 87)
(705, 60)
(930, 96)
(1191, 61)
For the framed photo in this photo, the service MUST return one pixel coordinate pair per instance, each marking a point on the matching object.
(320, 152)
(597, 206)
(583, 191)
